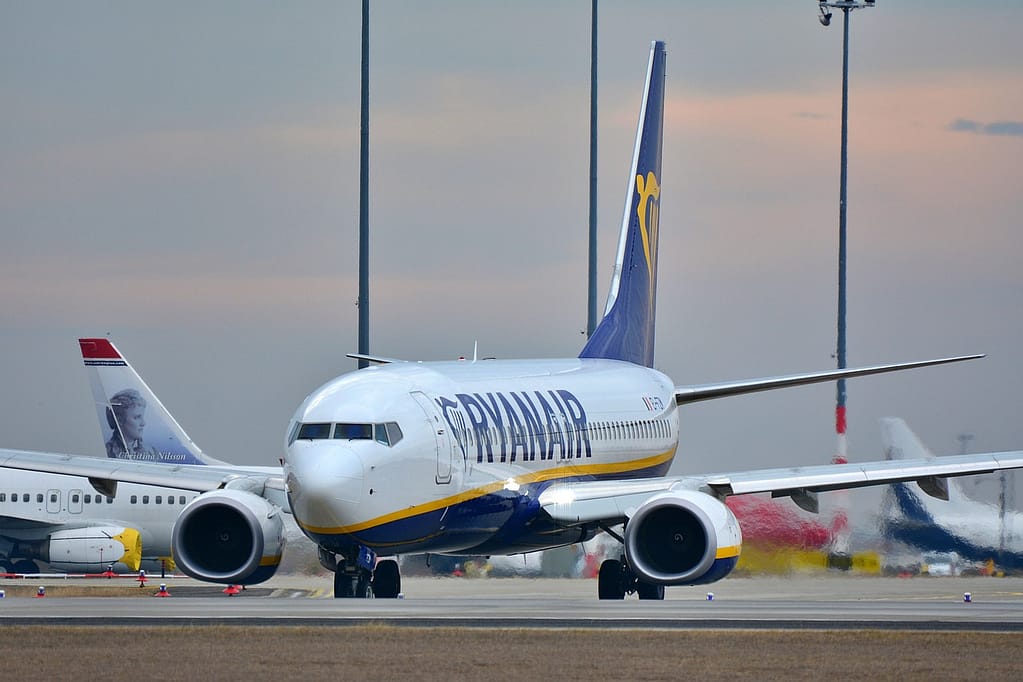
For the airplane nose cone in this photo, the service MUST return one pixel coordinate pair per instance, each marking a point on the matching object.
(325, 481)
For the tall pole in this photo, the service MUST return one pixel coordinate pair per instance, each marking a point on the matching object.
(839, 554)
(847, 6)
(591, 314)
(840, 421)
(364, 194)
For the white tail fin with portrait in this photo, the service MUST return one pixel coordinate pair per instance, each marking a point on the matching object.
(134, 423)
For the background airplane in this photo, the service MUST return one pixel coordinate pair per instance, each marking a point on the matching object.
(73, 526)
(974, 531)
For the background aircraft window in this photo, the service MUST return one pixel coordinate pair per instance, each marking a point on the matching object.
(3, 497)
(181, 499)
(159, 499)
(134, 499)
(170, 499)
(74, 498)
(145, 499)
(353, 431)
(314, 431)
(110, 500)
(39, 497)
(25, 497)
(53, 497)
(88, 499)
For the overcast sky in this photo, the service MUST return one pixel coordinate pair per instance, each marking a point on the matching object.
(184, 177)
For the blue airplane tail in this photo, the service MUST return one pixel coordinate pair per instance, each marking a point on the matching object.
(626, 332)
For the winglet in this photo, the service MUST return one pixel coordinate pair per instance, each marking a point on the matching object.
(626, 332)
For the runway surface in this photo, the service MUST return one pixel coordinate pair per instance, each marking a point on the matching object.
(833, 601)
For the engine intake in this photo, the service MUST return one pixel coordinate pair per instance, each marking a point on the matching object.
(682, 537)
(229, 536)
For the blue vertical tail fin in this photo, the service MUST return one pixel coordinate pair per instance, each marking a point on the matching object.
(626, 332)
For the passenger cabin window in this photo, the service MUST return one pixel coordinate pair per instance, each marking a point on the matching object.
(134, 499)
(39, 497)
(53, 497)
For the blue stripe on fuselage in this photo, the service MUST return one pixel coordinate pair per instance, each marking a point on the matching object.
(501, 520)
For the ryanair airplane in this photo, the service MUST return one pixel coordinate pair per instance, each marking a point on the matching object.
(508, 456)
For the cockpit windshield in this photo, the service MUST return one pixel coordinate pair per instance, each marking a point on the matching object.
(353, 431)
(388, 433)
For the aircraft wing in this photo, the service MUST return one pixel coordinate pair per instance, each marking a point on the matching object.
(104, 473)
(612, 502)
(695, 393)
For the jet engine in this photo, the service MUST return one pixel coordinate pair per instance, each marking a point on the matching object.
(682, 537)
(92, 548)
(229, 536)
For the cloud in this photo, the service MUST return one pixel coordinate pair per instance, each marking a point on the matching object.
(964, 125)
(1003, 128)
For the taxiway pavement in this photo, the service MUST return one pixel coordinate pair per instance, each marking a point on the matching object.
(832, 601)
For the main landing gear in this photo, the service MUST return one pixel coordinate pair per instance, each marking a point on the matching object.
(616, 579)
(365, 577)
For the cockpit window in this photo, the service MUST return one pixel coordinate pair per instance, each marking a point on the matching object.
(313, 431)
(388, 433)
(353, 431)
(393, 433)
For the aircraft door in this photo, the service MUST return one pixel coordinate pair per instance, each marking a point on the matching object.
(53, 501)
(74, 502)
(442, 442)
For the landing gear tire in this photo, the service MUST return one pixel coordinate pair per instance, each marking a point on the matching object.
(25, 566)
(364, 585)
(611, 580)
(344, 585)
(649, 591)
(386, 579)
(352, 585)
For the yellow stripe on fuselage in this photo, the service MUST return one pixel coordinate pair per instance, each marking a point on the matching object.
(565, 470)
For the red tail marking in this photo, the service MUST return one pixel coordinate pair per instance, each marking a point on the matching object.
(98, 349)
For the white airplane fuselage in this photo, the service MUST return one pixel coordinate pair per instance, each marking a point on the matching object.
(39, 505)
(480, 440)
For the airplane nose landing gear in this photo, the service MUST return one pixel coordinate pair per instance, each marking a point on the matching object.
(616, 579)
(363, 578)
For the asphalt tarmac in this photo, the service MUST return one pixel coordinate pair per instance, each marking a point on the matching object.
(832, 601)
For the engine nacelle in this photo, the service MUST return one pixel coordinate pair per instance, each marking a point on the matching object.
(229, 536)
(683, 537)
(93, 549)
